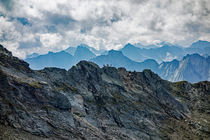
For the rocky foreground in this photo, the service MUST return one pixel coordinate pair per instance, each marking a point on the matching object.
(89, 102)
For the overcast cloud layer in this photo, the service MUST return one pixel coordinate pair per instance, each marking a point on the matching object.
(40, 26)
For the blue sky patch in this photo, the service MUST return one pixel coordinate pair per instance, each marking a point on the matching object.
(23, 21)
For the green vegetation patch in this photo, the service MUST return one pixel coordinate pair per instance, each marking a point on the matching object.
(64, 87)
(117, 96)
(179, 88)
(35, 84)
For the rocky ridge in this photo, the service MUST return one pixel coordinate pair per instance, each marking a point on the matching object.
(89, 102)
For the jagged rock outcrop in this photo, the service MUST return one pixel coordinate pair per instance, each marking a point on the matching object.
(89, 102)
(193, 68)
(167, 69)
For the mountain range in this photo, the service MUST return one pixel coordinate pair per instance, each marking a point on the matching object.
(87, 102)
(191, 64)
(161, 52)
(167, 52)
(192, 68)
(200, 47)
(59, 59)
(164, 53)
(117, 59)
(62, 59)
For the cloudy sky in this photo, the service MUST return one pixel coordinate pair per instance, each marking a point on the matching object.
(28, 26)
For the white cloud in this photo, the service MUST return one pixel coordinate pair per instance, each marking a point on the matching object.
(49, 40)
(109, 24)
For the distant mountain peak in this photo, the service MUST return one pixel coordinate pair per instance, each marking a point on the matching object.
(164, 43)
(70, 50)
(84, 45)
(82, 50)
(129, 45)
(60, 52)
(115, 52)
(50, 52)
(200, 43)
(175, 61)
(195, 55)
(32, 55)
(151, 61)
(83, 53)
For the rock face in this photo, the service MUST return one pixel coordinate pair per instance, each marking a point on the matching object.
(89, 102)
(167, 69)
(191, 68)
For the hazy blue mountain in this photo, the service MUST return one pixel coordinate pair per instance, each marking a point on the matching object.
(70, 50)
(105, 52)
(139, 45)
(83, 53)
(150, 64)
(32, 55)
(117, 59)
(167, 69)
(200, 47)
(60, 59)
(193, 68)
(133, 52)
(95, 51)
(200, 43)
(164, 43)
(166, 52)
(160, 54)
